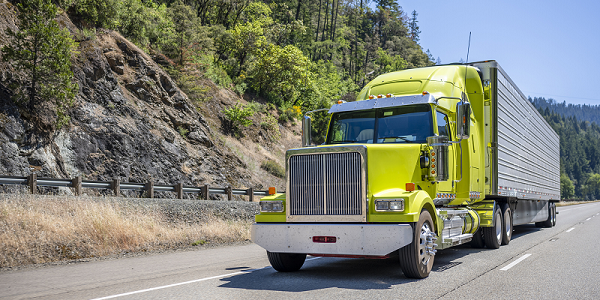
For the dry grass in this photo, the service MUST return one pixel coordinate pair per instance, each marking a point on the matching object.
(568, 203)
(36, 229)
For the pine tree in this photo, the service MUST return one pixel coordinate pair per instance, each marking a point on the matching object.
(42, 50)
(414, 27)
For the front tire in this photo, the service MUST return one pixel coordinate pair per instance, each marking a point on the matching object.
(493, 235)
(286, 262)
(416, 258)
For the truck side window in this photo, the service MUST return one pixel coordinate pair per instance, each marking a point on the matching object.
(442, 123)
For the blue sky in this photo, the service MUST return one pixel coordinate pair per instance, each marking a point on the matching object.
(550, 49)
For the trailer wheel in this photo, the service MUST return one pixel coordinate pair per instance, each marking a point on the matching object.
(416, 258)
(507, 224)
(548, 223)
(286, 262)
(553, 214)
(477, 241)
(493, 235)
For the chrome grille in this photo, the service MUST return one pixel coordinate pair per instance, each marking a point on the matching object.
(325, 184)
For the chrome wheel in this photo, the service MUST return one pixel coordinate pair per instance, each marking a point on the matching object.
(426, 244)
(498, 228)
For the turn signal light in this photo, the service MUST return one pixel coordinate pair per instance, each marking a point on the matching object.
(272, 191)
(410, 186)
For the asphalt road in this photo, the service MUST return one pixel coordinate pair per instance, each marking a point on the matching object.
(540, 263)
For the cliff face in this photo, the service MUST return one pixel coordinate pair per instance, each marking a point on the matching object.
(129, 121)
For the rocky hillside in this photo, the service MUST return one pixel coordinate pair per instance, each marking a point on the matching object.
(131, 121)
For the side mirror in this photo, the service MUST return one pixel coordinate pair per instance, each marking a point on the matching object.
(463, 120)
(306, 129)
(438, 154)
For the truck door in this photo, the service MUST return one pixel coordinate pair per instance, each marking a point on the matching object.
(443, 128)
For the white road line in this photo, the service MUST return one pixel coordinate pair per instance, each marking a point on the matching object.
(588, 219)
(570, 229)
(186, 282)
(174, 284)
(514, 263)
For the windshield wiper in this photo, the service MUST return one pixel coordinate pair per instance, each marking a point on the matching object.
(396, 137)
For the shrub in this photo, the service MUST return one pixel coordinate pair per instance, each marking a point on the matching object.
(238, 116)
(270, 125)
(273, 168)
(182, 131)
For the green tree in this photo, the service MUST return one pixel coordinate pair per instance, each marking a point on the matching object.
(414, 27)
(567, 190)
(43, 51)
(282, 74)
(186, 23)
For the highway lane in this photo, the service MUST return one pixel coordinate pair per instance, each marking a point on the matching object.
(560, 263)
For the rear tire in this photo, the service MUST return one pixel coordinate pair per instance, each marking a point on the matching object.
(507, 224)
(286, 262)
(477, 241)
(416, 260)
(493, 235)
(551, 216)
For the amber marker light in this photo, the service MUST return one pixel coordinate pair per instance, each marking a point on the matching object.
(410, 186)
(380, 96)
(272, 191)
(389, 95)
(425, 92)
(371, 96)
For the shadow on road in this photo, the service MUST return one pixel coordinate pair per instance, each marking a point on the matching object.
(347, 273)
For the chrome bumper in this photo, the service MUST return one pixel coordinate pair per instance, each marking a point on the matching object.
(351, 239)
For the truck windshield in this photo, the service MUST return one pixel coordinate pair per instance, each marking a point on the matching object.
(405, 124)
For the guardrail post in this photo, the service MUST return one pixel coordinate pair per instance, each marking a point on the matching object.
(150, 189)
(204, 192)
(250, 193)
(116, 187)
(76, 184)
(32, 182)
(179, 190)
(229, 193)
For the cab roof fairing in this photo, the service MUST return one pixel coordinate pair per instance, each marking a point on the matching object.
(383, 102)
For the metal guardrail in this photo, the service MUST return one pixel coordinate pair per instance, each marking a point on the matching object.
(116, 185)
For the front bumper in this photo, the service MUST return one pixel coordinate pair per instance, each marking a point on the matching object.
(352, 239)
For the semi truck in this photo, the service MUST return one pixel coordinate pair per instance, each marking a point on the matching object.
(424, 159)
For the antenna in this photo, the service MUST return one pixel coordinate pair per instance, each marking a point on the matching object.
(468, 49)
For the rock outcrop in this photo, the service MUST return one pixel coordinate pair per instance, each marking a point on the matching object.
(130, 121)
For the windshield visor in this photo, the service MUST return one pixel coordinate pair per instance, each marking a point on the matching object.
(405, 124)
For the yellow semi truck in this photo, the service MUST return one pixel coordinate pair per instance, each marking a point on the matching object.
(425, 159)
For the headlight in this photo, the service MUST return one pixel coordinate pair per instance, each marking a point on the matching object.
(271, 206)
(389, 205)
